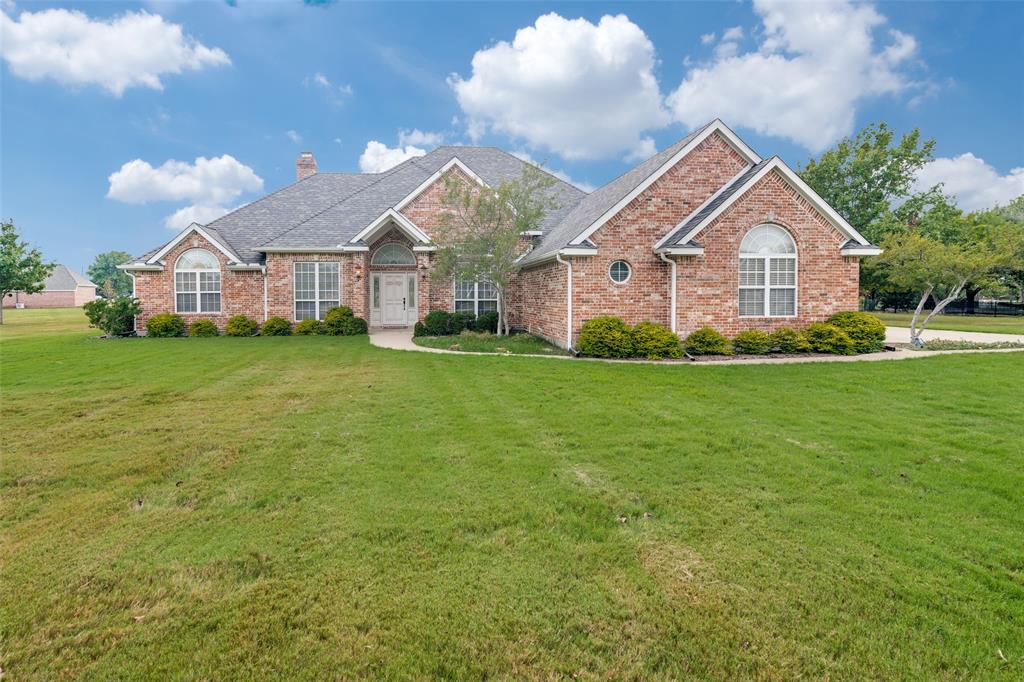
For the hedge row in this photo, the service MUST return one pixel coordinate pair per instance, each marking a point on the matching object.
(442, 323)
(846, 333)
(610, 337)
(339, 321)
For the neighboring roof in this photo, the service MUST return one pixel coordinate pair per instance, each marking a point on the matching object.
(64, 278)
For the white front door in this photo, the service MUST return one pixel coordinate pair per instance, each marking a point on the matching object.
(394, 299)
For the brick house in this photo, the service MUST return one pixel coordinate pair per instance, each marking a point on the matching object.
(705, 232)
(64, 288)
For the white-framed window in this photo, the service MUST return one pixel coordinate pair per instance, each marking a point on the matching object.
(475, 297)
(767, 273)
(197, 282)
(393, 254)
(316, 290)
(620, 271)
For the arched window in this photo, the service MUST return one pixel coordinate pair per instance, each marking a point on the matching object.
(197, 282)
(767, 273)
(393, 254)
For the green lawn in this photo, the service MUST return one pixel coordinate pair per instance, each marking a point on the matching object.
(961, 323)
(472, 342)
(319, 508)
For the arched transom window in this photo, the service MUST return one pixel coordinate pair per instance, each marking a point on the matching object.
(197, 282)
(767, 273)
(393, 254)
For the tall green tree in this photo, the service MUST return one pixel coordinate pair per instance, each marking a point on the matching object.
(21, 268)
(479, 238)
(863, 176)
(105, 274)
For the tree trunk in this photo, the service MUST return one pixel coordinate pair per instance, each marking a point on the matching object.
(915, 334)
(972, 295)
(939, 307)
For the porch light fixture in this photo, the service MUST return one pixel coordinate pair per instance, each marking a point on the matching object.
(359, 271)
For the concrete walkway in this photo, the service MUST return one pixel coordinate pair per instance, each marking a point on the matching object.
(401, 339)
(902, 335)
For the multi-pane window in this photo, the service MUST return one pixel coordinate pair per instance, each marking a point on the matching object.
(767, 273)
(475, 297)
(197, 282)
(316, 290)
(393, 254)
(619, 271)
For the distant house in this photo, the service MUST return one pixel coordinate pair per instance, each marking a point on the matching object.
(65, 288)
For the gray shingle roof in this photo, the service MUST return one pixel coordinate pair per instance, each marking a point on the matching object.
(64, 278)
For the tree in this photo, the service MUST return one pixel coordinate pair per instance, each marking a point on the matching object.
(21, 268)
(481, 228)
(104, 272)
(863, 176)
(115, 317)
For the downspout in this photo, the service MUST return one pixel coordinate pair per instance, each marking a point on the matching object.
(568, 302)
(672, 262)
(265, 304)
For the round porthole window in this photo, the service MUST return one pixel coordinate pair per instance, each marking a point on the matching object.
(619, 271)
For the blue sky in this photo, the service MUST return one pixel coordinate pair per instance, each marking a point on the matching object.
(99, 100)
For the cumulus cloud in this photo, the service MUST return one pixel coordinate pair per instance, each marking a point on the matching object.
(134, 49)
(580, 90)
(378, 157)
(294, 136)
(418, 137)
(815, 64)
(210, 185)
(975, 184)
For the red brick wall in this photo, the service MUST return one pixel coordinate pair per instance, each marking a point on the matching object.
(538, 302)
(51, 299)
(281, 286)
(708, 292)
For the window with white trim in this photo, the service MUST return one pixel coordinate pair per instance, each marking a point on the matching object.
(316, 290)
(197, 282)
(767, 273)
(393, 254)
(475, 297)
(619, 271)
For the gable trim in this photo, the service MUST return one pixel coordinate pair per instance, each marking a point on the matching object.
(455, 162)
(718, 192)
(799, 185)
(404, 224)
(197, 228)
(716, 126)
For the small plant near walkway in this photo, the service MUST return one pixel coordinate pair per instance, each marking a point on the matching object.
(340, 321)
(203, 329)
(443, 323)
(707, 341)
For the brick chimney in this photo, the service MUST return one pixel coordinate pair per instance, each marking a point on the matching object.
(305, 166)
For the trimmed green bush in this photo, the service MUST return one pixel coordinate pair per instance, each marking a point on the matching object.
(706, 341)
(308, 328)
(336, 320)
(486, 322)
(276, 326)
(437, 323)
(355, 326)
(655, 341)
(165, 325)
(865, 330)
(115, 317)
(419, 329)
(828, 338)
(606, 337)
(461, 321)
(753, 342)
(240, 325)
(203, 328)
(790, 341)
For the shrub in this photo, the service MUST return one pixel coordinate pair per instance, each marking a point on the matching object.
(437, 323)
(165, 325)
(828, 338)
(240, 325)
(606, 337)
(419, 329)
(790, 341)
(753, 341)
(336, 319)
(201, 328)
(655, 341)
(461, 321)
(487, 322)
(308, 328)
(113, 317)
(354, 326)
(706, 341)
(865, 330)
(276, 326)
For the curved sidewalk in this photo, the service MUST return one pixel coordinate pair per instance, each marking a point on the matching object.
(401, 339)
(902, 335)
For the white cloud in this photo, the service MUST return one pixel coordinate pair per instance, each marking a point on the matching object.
(707, 38)
(734, 33)
(975, 184)
(418, 137)
(324, 82)
(806, 79)
(581, 90)
(208, 184)
(378, 157)
(294, 136)
(561, 175)
(337, 140)
(133, 49)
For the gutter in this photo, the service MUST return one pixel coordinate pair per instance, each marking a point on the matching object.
(672, 262)
(266, 306)
(568, 302)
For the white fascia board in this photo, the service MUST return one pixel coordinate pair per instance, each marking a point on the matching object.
(139, 267)
(311, 249)
(661, 242)
(455, 162)
(682, 251)
(403, 223)
(715, 126)
(868, 250)
(245, 266)
(577, 251)
(197, 228)
(423, 248)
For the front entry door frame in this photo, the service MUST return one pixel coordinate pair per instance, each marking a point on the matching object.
(397, 298)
